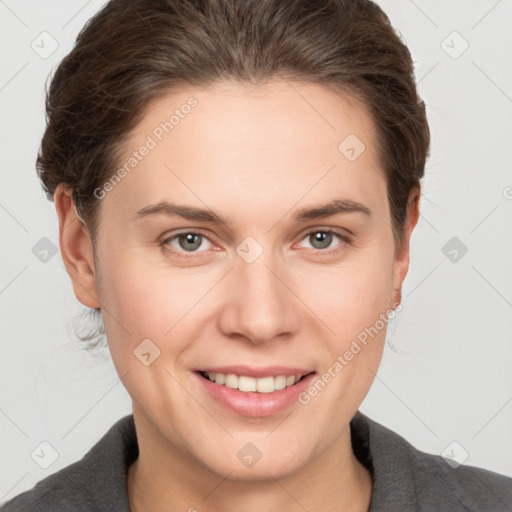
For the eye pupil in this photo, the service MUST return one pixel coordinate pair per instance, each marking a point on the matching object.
(188, 238)
(323, 237)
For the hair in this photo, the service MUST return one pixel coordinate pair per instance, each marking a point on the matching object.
(131, 53)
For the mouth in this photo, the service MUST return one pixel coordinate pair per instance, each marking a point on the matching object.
(262, 393)
(247, 384)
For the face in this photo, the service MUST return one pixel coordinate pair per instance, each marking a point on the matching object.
(288, 267)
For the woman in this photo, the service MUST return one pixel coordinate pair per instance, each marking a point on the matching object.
(285, 143)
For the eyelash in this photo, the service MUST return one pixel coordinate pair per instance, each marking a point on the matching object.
(324, 252)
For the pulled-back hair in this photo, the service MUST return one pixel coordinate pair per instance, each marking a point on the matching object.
(132, 52)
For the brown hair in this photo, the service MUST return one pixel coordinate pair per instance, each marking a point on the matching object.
(132, 52)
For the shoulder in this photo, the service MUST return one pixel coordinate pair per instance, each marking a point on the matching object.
(470, 488)
(406, 478)
(96, 482)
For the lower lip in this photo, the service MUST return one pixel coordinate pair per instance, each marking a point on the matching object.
(255, 404)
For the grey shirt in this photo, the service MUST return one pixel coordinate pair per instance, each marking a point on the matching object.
(404, 478)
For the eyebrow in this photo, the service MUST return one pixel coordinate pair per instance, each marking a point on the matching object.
(334, 207)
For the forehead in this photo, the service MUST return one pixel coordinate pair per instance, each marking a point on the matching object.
(271, 113)
(268, 141)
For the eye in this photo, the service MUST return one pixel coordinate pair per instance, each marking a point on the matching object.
(187, 241)
(191, 241)
(322, 239)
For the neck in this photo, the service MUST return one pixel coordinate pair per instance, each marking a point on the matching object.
(167, 479)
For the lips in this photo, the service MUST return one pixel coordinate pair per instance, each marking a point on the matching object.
(254, 392)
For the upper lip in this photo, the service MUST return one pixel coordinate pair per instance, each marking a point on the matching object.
(257, 372)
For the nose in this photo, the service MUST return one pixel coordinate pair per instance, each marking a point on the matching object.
(260, 305)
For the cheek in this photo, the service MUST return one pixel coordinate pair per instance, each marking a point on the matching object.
(144, 300)
(352, 295)
(145, 297)
(144, 293)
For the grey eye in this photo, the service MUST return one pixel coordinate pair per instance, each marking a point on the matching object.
(189, 241)
(321, 239)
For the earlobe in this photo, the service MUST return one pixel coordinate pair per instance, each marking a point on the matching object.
(76, 248)
(402, 258)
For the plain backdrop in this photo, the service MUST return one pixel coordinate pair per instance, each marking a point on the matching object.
(446, 386)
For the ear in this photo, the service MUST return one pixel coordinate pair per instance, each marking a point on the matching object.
(401, 264)
(76, 248)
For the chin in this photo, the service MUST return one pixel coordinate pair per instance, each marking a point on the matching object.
(264, 468)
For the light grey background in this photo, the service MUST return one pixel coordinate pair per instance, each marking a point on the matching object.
(450, 377)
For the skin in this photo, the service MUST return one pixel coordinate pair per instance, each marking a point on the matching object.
(255, 155)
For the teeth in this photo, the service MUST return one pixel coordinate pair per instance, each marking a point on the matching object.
(231, 381)
(246, 383)
(249, 384)
(280, 382)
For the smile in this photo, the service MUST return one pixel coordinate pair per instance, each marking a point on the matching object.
(264, 392)
(248, 384)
